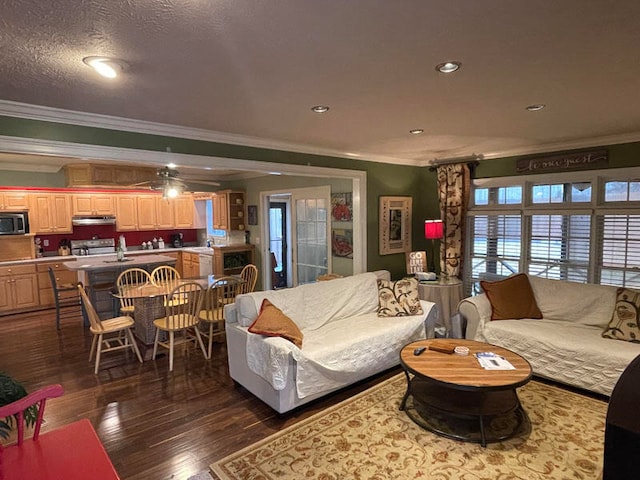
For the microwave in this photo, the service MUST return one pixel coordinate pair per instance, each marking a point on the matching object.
(14, 223)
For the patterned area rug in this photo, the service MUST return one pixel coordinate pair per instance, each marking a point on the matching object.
(367, 437)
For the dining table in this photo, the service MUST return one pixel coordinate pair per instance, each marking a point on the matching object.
(148, 301)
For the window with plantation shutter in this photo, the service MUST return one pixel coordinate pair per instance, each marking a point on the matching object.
(559, 246)
(575, 226)
(495, 251)
(619, 249)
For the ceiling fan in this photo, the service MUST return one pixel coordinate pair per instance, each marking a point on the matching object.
(170, 184)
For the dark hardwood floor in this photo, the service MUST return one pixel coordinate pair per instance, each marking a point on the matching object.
(154, 424)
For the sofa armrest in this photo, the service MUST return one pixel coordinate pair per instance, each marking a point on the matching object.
(230, 313)
(477, 311)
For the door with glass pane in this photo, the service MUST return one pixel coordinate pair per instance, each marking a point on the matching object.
(311, 234)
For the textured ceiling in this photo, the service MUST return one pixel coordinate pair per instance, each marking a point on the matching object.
(254, 68)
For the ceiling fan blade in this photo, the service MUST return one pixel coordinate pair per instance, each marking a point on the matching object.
(201, 182)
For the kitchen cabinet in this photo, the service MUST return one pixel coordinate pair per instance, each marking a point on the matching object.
(45, 289)
(14, 201)
(87, 175)
(190, 265)
(17, 247)
(18, 288)
(126, 213)
(155, 212)
(93, 204)
(184, 211)
(229, 210)
(50, 213)
(232, 259)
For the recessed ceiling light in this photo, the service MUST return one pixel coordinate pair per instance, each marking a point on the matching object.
(416, 131)
(320, 108)
(107, 67)
(535, 108)
(448, 67)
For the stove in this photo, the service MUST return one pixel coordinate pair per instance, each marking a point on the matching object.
(93, 247)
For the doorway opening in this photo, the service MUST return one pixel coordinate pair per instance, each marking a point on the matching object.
(278, 244)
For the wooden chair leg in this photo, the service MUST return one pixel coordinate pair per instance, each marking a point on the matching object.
(171, 342)
(93, 347)
(210, 349)
(98, 352)
(155, 343)
(199, 337)
(134, 345)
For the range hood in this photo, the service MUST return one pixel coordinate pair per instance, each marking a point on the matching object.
(94, 220)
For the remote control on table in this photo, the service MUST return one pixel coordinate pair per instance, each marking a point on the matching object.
(419, 350)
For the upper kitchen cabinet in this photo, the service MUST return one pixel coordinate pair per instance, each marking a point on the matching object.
(184, 212)
(229, 210)
(126, 213)
(93, 204)
(13, 200)
(155, 213)
(86, 175)
(50, 213)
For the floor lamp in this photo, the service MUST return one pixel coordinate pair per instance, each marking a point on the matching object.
(433, 231)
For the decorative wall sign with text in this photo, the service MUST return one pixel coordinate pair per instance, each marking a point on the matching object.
(395, 225)
(567, 161)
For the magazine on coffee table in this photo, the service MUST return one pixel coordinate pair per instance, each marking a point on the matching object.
(493, 361)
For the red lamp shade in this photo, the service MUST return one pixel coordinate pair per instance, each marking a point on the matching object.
(433, 229)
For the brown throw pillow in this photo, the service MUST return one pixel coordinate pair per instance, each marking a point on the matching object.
(398, 299)
(624, 320)
(271, 321)
(511, 298)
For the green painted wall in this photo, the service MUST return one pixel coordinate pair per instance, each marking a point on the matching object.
(382, 179)
(620, 156)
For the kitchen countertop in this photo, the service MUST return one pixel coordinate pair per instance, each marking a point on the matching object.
(104, 262)
(130, 252)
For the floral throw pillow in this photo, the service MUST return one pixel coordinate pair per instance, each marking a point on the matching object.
(624, 320)
(398, 299)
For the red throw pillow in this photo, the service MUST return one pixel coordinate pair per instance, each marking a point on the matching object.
(271, 321)
(511, 298)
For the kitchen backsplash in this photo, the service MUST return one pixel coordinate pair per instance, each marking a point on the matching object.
(109, 231)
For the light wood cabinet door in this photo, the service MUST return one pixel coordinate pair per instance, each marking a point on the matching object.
(104, 204)
(126, 213)
(14, 201)
(147, 212)
(164, 213)
(220, 212)
(5, 294)
(25, 291)
(93, 204)
(50, 213)
(61, 213)
(184, 211)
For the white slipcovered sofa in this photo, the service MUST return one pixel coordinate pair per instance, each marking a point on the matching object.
(344, 340)
(566, 345)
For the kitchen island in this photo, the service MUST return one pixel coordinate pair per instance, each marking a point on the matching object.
(99, 273)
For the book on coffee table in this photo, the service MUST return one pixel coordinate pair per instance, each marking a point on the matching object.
(493, 361)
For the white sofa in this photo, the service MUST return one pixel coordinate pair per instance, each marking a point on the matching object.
(566, 345)
(344, 340)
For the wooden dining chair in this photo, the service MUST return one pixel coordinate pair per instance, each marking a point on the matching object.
(164, 274)
(130, 278)
(108, 335)
(249, 275)
(66, 298)
(181, 315)
(220, 293)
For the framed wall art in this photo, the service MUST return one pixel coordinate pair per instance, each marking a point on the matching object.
(252, 214)
(395, 225)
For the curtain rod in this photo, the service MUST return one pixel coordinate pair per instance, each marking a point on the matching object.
(471, 160)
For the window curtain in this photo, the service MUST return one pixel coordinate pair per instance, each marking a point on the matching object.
(454, 181)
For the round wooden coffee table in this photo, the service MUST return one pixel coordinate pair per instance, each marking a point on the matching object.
(452, 395)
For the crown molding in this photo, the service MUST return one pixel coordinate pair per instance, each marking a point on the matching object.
(84, 119)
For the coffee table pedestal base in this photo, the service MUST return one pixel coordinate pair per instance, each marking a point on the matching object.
(484, 416)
